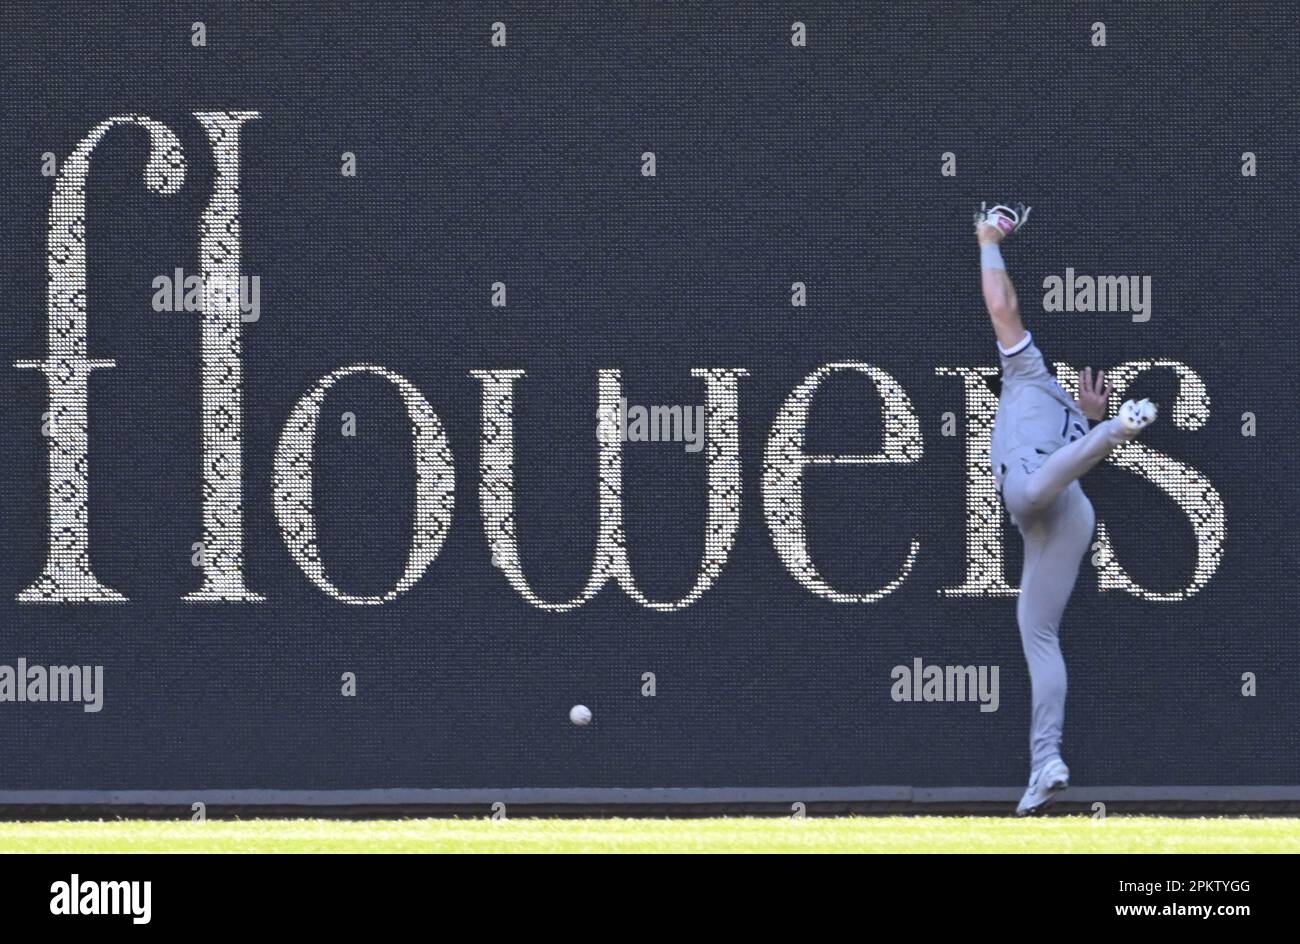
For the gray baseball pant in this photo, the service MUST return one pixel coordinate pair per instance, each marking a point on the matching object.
(1056, 521)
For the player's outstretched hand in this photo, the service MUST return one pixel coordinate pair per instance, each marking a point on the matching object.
(1093, 394)
(994, 224)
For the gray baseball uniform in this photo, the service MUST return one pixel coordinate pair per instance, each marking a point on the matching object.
(1041, 446)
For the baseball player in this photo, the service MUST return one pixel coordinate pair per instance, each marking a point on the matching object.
(1041, 447)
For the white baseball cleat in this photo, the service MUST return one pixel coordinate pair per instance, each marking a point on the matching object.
(1044, 784)
(1009, 219)
(1136, 416)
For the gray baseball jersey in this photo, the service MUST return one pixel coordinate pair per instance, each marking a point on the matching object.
(1035, 415)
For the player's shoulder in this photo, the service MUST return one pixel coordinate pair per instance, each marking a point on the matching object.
(1020, 347)
(1022, 359)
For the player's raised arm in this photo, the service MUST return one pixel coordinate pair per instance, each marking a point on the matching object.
(991, 227)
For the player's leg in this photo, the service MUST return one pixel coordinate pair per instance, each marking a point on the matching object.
(1069, 463)
(1055, 541)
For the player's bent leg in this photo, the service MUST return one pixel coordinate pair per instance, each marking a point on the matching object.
(1071, 462)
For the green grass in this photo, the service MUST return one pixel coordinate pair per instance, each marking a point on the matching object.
(741, 834)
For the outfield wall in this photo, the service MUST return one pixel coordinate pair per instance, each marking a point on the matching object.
(367, 530)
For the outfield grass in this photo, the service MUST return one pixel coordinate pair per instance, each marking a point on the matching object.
(741, 834)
